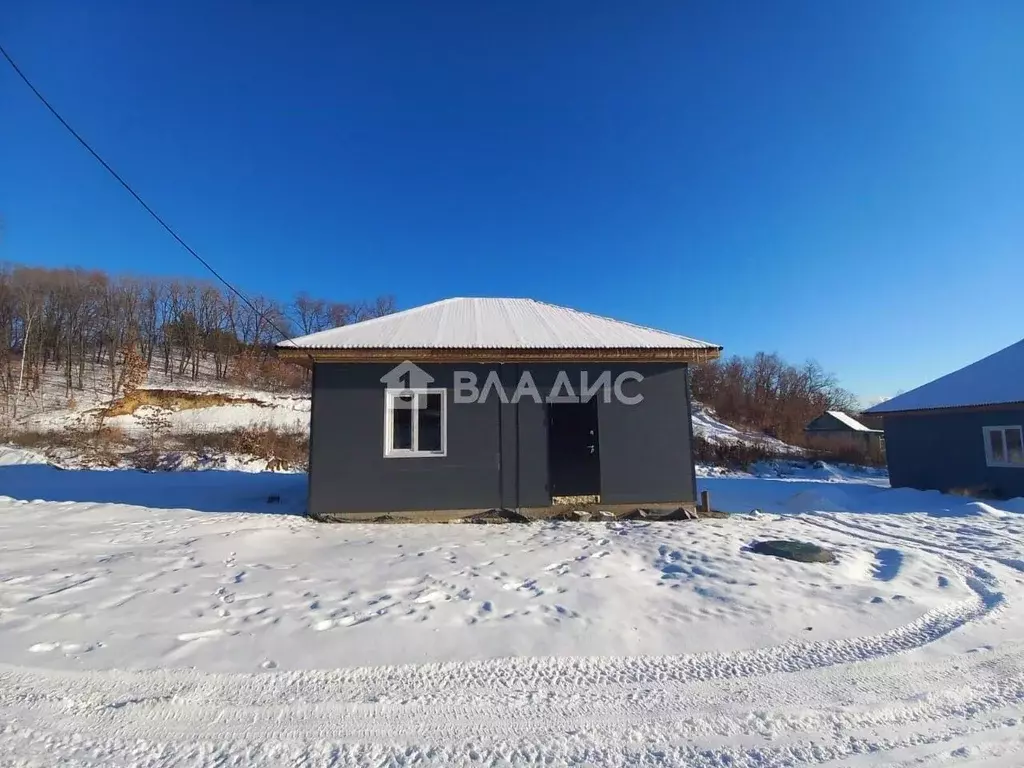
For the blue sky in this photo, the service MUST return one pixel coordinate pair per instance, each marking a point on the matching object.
(838, 180)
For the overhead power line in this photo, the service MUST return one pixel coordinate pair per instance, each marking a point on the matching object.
(137, 197)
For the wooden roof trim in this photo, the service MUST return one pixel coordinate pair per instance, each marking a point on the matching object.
(645, 355)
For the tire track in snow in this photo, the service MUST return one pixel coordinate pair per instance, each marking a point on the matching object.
(541, 710)
(407, 682)
(496, 734)
(979, 580)
(369, 684)
(533, 682)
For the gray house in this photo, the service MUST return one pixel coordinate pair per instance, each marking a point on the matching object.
(961, 431)
(480, 403)
(836, 430)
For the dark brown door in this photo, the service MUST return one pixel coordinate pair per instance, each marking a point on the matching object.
(574, 460)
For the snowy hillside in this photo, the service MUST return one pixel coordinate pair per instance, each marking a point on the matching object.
(707, 425)
(185, 409)
(170, 422)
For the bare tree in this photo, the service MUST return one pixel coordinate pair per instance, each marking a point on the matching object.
(65, 319)
(767, 394)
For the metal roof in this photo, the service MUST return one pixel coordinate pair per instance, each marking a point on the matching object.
(849, 421)
(993, 380)
(493, 323)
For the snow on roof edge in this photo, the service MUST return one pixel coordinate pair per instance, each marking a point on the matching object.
(486, 323)
(979, 404)
(996, 379)
(849, 421)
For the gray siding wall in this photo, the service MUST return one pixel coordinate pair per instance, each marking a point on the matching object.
(946, 450)
(646, 451)
(348, 470)
(497, 453)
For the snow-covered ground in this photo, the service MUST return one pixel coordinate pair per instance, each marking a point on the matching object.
(188, 619)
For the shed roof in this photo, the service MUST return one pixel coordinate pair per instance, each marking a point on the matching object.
(993, 380)
(849, 421)
(491, 324)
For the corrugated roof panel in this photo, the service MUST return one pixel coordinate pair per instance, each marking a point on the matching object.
(485, 323)
(849, 421)
(996, 379)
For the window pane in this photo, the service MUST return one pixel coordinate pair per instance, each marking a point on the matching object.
(1014, 446)
(995, 444)
(430, 422)
(401, 422)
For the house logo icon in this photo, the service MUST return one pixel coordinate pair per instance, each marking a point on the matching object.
(406, 377)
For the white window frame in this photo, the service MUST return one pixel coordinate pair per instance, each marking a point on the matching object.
(989, 459)
(390, 452)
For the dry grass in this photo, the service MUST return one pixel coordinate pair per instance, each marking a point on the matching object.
(281, 449)
(734, 455)
(102, 447)
(849, 450)
(848, 454)
(173, 400)
(268, 374)
(111, 446)
(743, 455)
(67, 438)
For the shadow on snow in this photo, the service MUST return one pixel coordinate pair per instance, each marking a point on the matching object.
(285, 493)
(798, 496)
(203, 491)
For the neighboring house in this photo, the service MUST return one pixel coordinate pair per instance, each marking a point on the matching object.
(432, 409)
(962, 431)
(837, 431)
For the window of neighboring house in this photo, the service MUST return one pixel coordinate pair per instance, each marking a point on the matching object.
(415, 422)
(1004, 446)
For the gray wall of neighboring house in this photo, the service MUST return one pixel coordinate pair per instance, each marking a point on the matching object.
(497, 453)
(826, 431)
(946, 450)
(838, 438)
(827, 423)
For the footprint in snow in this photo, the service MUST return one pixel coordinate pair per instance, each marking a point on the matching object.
(435, 596)
(76, 647)
(344, 621)
(186, 637)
